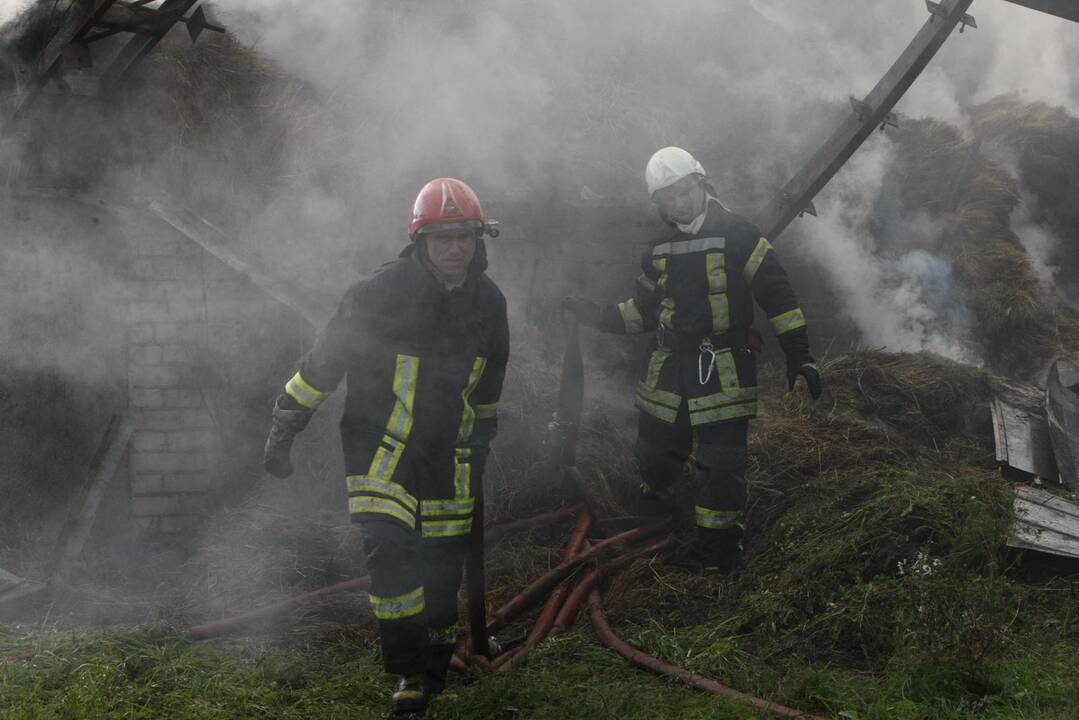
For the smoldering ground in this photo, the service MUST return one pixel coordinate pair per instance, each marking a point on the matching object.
(307, 134)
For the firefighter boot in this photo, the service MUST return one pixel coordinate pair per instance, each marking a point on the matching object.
(719, 552)
(286, 425)
(410, 697)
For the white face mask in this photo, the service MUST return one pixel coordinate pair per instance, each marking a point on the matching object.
(695, 226)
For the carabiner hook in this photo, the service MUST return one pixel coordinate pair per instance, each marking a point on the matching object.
(706, 349)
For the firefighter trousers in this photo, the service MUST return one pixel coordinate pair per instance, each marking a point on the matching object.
(662, 450)
(414, 585)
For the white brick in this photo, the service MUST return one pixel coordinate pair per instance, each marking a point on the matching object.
(147, 484)
(178, 398)
(154, 376)
(144, 505)
(146, 397)
(148, 441)
(187, 482)
(169, 419)
(144, 355)
(146, 311)
(140, 333)
(170, 462)
(185, 440)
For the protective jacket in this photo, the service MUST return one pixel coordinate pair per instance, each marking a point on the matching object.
(696, 290)
(424, 368)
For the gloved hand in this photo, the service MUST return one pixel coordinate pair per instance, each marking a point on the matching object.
(807, 369)
(588, 313)
(276, 456)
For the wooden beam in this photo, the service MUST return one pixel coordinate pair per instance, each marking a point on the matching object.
(826, 162)
(143, 43)
(1067, 9)
(79, 16)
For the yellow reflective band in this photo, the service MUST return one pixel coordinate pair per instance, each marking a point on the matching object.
(487, 411)
(384, 464)
(666, 316)
(404, 389)
(788, 321)
(727, 397)
(435, 508)
(365, 504)
(721, 414)
(660, 397)
(462, 477)
(401, 606)
(716, 264)
(655, 366)
(443, 636)
(646, 282)
(446, 528)
(468, 415)
(660, 264)
(302, 392)
(721, 313)
(659, 412)
(717, 519)
(725, 362)
(631, 317)
(754, 263)
(368, 484)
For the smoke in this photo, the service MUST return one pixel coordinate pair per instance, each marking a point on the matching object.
(900, 295)
(11, 8)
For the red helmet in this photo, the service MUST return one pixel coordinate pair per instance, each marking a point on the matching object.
(447, 203)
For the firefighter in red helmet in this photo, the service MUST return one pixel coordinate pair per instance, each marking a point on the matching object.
(423, 344)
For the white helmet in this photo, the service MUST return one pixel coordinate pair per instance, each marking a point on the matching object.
(668, 166)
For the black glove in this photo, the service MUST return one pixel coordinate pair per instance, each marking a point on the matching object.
(588, 313)
(276, 456)
(807, 369)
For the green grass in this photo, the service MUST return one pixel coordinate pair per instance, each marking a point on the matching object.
(157, 673)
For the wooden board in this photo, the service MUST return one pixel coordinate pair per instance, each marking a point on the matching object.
(1021, 435)
(1045, 522)
(1062, 415)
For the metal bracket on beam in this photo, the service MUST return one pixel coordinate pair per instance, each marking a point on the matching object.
(863, 110)
(937, 10)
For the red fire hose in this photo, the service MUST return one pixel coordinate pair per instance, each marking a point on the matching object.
(640, 659)
(238, 622)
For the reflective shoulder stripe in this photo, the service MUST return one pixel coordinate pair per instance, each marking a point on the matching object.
(446, 528)
(487, 411)
(785, 322)
(468, 415)
(755, 259)
(404, 388)
(368, 484)
(304, 393)
(685, 247)
(399, 606)
(631, 317)
(366, 504)
(716, 519)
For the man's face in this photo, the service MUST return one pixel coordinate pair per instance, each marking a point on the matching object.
(682, 201)
(451, 251)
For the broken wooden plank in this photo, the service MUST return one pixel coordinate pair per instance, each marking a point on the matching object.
(1021, 434)
(1062, 415)
(1044, 522)
(797, 194)
(1067, 9)
(102, 469)
(214, 241)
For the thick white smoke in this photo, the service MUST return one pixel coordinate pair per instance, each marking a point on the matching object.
(902, 297)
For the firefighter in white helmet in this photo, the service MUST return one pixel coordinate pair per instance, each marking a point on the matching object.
(696, 293)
